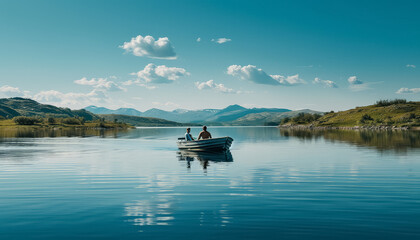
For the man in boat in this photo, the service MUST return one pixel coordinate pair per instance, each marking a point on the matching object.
(204, 134)
(188, 136)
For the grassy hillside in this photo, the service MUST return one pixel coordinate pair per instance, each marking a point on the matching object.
(396, 113)
(140, 121)
(13, 107)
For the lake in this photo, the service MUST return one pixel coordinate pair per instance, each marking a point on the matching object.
(273, 184)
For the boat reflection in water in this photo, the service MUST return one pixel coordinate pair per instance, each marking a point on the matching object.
(204, 157)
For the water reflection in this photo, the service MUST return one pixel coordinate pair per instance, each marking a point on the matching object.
(204, 157)
(157, 203)
(283, 184)
(148, 213)
(58, 132)
(399, 141)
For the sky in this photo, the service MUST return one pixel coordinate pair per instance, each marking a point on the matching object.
(320, 55)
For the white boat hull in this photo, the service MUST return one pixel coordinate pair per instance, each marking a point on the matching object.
(212, 144)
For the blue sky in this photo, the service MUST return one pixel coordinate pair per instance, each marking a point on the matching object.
(322, 55)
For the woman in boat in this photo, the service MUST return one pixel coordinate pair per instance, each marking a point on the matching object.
(188, 136)
(204, 134)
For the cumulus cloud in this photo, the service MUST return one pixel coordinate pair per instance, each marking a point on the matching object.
(221, 40)
(326, 83)
(353, 80)
(358, 85)
(10, 91)
(219, 87)
(408, 90)
(71, 99)
(410, 66)
(148, 47)
(257, 75)
(153, 74)
(100, 83)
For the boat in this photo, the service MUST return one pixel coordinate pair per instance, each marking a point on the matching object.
(211, 144)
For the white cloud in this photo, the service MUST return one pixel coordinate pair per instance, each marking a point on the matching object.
(10, 91)
(198, 39)
(410, 66)
(257, 75)
(148, 47)
(357, 85)
(354, 81)
(153, 74)
(166, 105)
(221, 40)
(100, 83)
(408, 90)
(289, 80)
(326, 83)
(71, 99)
(219, 87)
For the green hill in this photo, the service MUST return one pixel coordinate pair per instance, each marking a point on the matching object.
(16, 107)
(140, 121)
(13, 107)
(395, 113)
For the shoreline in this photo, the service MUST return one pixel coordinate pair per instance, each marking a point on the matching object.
(312, 127)
(60, 127)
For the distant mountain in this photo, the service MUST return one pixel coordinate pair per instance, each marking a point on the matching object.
(231, 115)
(236, 112)
(140, 121)
(124, 111)
(157, 113)
(128, 111)
(12, 107)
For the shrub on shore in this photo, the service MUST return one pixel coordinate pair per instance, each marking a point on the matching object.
(365, 118)
(71, 121)
(51, 120)
(301, 118)
(21, 120)
(384, 103)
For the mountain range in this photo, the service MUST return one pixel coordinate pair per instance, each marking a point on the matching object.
(231, 115)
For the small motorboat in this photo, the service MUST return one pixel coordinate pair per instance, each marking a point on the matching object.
(212, 144)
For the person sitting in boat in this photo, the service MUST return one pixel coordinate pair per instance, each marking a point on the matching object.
(188, 136)
(204, 134)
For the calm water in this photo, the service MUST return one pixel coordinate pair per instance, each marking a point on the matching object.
(272, 185)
